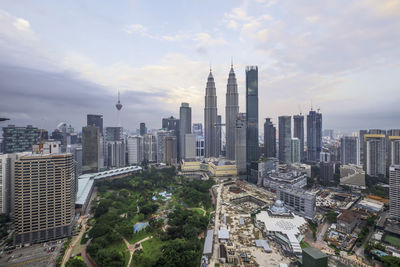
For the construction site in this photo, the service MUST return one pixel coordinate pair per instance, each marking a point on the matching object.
(235, 240)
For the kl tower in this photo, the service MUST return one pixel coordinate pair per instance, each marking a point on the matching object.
(119, 107)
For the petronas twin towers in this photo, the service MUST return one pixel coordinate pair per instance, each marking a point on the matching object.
(211, 126)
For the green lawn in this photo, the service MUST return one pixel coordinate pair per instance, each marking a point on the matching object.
(395, 241)
(120, 246)
(151, 251)
(138, 236)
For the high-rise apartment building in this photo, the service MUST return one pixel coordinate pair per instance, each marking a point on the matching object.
(240, 143)
(19, 139)
(5, 184)
(361, 146)
(210, 119)
(185, 120)
(349, 150)
(295, 154)
(394, 192)
(95, 120)
(115, 154)
(91, 149)
(160, 136)
(285, 137)
(135, 150)
(44, 197)
(298, 132)
(170, 150)
(375, 154)
(252, 114)
(231, 112)
(314, 135)
(393, 150)
(269, 139)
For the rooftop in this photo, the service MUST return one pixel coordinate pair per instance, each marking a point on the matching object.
(347, 216)
(315, 253)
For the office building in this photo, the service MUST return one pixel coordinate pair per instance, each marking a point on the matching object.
(170, 150)
(314, 135)
(199, 147)
(325, 156)
(298, 132)
(210, 119)
(231, 112)
(115, 154)
(295, 154)
(114, 134)
(76, 151)
(269, 139)
(142, 129)
(394, 192)
(190, 146)
(375, 154)
(349, 150)
(252, 147)
(5, 184)
(135, 150)
(19, 139)
(312, 257)
(240, 143)
(95, 120)
(185, 120)
(326, 172)
(44, 197)
(285, 137)
(91, 149)
(197, 129)
(150, 147)
(297, 200)
(171, 124)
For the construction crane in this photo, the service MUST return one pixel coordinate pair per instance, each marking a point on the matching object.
(4, 119)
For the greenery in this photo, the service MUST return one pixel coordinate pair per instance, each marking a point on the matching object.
(313, 227)
(304, 244)
(389, 261)
(331, 216)
(363, 234)
(126, 201)
(373, 188)
(75, 262)
(393, 240)
(62, 252)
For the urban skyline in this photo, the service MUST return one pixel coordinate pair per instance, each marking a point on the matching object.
(64, 73)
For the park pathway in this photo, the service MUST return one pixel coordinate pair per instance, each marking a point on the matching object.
(75, 239)
(132, 247)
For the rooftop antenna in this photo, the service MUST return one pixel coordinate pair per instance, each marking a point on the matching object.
(231, 61)
(311, 105)
(299, 109)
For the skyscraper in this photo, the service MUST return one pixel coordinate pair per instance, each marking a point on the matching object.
(295, 150)
(210, 118)
(114, 134)
(171, 124)
(269, 139)
(44, 197)
(91, 149)
(348, 150)
(170, 150)
(298, 132)
(252, 114)
(361, 146)
(185, 127)
(197, 129)
(19, 139)
(115, 154)
(375, 154)
(150, 147)
(393, 150)
(394, 192)
(160, 136)
(240, 143)
(219, 135)
(314, 135)
(143, 129)
(285, 137)
(95, 120)
(231, 112)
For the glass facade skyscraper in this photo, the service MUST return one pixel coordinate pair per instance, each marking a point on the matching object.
(252, 149)
(314, 135)
(19, 139)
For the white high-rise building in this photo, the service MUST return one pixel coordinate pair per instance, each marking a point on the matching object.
(394, 191)
(135, 150)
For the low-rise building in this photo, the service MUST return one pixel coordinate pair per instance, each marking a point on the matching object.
(347, 221)
(297, 200)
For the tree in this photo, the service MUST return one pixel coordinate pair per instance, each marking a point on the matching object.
(75, 262)
(331, 216)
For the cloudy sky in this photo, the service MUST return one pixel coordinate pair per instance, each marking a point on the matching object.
(60, 60)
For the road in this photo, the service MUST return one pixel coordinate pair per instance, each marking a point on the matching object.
(360, 250)
(75, 239)
(214, 257)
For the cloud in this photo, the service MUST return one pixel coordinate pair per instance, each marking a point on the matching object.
(135, 28)
(205, 39)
